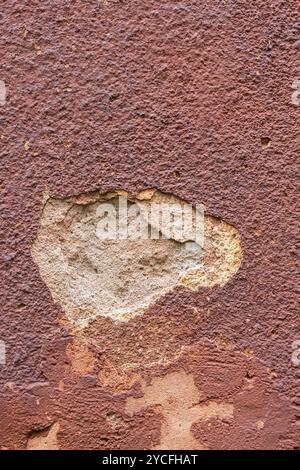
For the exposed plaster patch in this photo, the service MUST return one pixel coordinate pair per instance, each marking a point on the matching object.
(90, 277)
(177, 399)
(112, 378)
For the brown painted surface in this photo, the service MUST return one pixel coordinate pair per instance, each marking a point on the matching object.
(192, 98)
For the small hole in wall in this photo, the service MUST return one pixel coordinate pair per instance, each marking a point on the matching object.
(249, 375)
(113, 97)
(20, 307)
(265, 142)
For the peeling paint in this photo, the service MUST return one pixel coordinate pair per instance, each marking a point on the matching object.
(120, 278)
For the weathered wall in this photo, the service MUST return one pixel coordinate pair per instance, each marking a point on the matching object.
(192, 98)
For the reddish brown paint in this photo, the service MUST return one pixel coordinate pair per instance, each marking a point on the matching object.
(138, 94)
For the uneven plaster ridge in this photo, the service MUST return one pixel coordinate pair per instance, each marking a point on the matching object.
(91, 277)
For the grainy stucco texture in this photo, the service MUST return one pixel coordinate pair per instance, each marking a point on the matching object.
(192, 98)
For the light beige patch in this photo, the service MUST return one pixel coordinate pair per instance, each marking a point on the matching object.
(44, 440)
(222, 255)
(119, 278)
(177, 399)
(61, 386)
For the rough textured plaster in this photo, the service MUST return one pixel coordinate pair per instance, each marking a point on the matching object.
(192, 98)
(178, 399)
